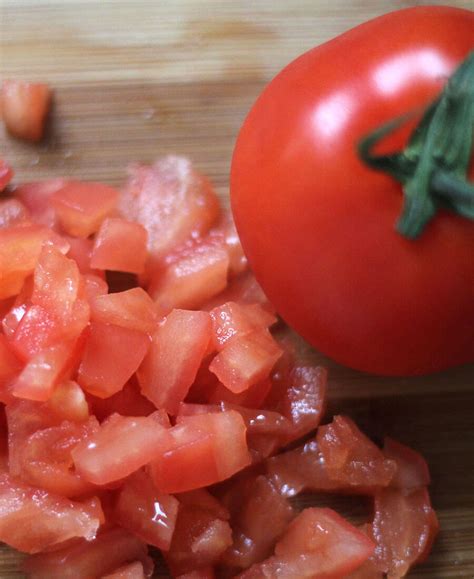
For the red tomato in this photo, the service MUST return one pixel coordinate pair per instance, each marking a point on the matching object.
(412, 470)
(37, 196)
(204, 500)
(24, 108)
(112, 354)
(9, 363)
(310, 213)
(86, 559)
(6, 174)
(144, 511)
(171, 200)
(404, 529)
(246, 360)
(31, 519)
(177, 349)
(68, 402)
(204, 573)
(132, 309)
(121, 446)
(126, 402)
(120, 245)
(318, 544)
(81, 206)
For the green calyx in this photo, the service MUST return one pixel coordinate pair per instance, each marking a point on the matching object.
(433, 167)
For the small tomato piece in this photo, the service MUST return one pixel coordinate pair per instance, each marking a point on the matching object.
(12, 212)
(25, 106)
(6, 174)
(131, 571)
(120, 245)
(412, 470)
(36, 196)
(81, 206)
(68, 402)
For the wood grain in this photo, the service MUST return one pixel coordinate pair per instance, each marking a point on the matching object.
(135, 79)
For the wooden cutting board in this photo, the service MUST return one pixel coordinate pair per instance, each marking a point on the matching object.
(136, 79)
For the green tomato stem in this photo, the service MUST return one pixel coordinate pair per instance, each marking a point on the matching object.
(433, 167)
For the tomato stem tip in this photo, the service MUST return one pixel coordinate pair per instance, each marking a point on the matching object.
(434, 165)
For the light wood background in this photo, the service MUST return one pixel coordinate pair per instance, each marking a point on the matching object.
(135, 79)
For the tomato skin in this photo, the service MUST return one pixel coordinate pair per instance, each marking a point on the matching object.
(309, 212)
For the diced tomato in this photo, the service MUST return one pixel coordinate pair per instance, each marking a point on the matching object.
(56, 283)
(206, 449)
(177, 349)
(122, 445)
(126, 402)
(12, 211)
(231, 320)
(237, 260)
(302, 398)
(94, 286)
(112, 354)
(132, 309)
(193, 276)
(204, 500)
(36, 330)
(10, 366)
(80, 250)
(82, 206)
(37, 198)
(199, 540)
(318, 544)
(131, 571)
(246, 360)
(120, 245)
(412, 470)
(243, 289)
(87, 559)
(171, 200)
(253, 397)
(6, 174)
(31, 519)
(404, 528)
(68, 402)
(46, 460)
(25, 106)
(350, 458)
(43, 371)
(203, 573)
(20, 247)
(258, 522)
(144, 511)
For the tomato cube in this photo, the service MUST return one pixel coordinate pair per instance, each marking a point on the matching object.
(31, 519)
(12, 212)
(259, 519)
(246, 360)
(130, 571)
(199, 540)
(68, 402)
(87, 559)
(237, 261)
(193, 276)
(171, 200)
(6, 174)
(9, 364)
(144, 511)
(36, 330)
(412, 470)
(132, 309)
(205, 449)
(121, 446)
(231, 320)
(177, 349)
(56, 283)
(36, 196)
(43, 371)
(112, 355)
(203, 573)
(25, 106)
(243, 289)
(404, 528)
(352, 459)
(81, 206)
(46, 460)
(120, 245)
(204, 500)
(318, 544)
(127, 402)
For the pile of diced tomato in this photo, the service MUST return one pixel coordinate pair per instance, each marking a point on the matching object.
(147, 403)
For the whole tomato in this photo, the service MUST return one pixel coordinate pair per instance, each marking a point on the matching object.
(317, 223)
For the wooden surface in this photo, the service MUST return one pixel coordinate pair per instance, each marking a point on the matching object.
(135, 79)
